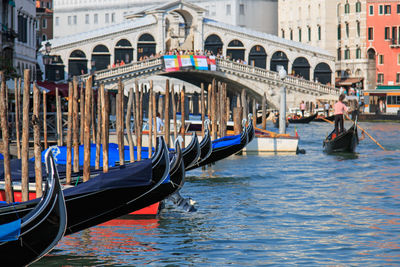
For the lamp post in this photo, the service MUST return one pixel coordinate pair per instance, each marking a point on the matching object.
(47, 60)
(282, 116)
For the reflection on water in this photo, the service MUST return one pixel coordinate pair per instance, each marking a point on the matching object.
(309, 210)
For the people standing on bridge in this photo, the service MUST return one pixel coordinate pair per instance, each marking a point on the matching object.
(302, 108)
(340, 108)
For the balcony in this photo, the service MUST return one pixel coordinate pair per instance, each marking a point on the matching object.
(8, 36)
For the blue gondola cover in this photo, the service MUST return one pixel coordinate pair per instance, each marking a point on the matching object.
(226, 141)
(10, 231)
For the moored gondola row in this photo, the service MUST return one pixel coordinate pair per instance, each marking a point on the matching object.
(97, 181)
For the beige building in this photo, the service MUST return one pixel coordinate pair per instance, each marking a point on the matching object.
(338, 26)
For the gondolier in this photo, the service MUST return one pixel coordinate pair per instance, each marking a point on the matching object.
(339, 109)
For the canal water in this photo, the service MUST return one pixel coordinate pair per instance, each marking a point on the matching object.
(255, 210)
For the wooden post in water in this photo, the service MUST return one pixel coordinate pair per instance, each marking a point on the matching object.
(202, 109)
(244, 103)
(154, 119)
(223, 107)
(209, 94)
(213, 111)
(128, 125)
(183, 116)
(150, 119)
(87, 124)
(120, 123)
(68, 167)
(173, 102)
(237, 120)
(46, 145)
(25, 138)
(98, 132)
(264, 112)
(105, 125)
(82, 113)
(75, 124)
(9, 195)
(17, 92)
(58, 124)
(93, 119)
(137, 123)
(36, 137)
(166, 114)
(140, 122)
(254, 113)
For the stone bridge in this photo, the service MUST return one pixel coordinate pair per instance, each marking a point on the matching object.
(256, 81)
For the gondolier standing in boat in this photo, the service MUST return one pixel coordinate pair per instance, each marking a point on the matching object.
(302, 108)
(340, 108)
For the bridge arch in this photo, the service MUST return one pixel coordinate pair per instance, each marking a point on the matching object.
(100, 57)
(213, 44)
(301, 67)
(123, 51)
(279, 58)
(235, 50)
(258, 57)
(146, 46)
(77, 63)
(323, 73)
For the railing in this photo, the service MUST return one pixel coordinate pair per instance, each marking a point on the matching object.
(222, 64)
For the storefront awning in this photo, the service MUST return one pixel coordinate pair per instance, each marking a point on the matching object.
(347, 81)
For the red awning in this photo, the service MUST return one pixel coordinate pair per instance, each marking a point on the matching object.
(347, 81)
(51, 87)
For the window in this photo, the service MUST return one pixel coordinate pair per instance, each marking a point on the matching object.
(228, 10)
(380, 60)
(87, 18)
(358, 7)
(358, 53)
(22, 29)
(69, 20)
(339, 32)
(57, 21)
(44, 23)
(387, 33)
(283, 33)
(380, 78)
(371, 10)
(370, 34)
(319, 32)
(75, 20)
(388, 10)
(394, 34)
(241, 9)
(291, 34)
(398, 59)
(398, 9)
(309, 34)
(393, 99)
(106, 18)
(347, 8)
(299, 35)
(347, 54)
(380, 9)
(113, 17)
(347, 29)
(358, 29)
(397, 78)
(339, 54)
(95, 19)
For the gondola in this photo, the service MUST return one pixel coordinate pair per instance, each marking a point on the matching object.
(324, 119)
(346, 141)
(39, 230)
(191, 153)
(225, 147)
(110, 195)
(205, 145)
(259, 117)
(303, 119)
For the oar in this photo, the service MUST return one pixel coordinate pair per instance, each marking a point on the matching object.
(376, 142)
(331, 122)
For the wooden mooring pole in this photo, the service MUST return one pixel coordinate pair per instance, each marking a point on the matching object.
(36, 141)
(17, 92)
(150, 119)
(68, 167)
(87, 124)
(75, 124)
(25, 138)
(166, 114)
(128, 125)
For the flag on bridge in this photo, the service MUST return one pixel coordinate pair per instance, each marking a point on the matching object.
(200, 63)
(171, 63)
(212, 63)
(186, 62)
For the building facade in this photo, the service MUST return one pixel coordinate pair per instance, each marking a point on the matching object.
(73, 17)
(44, 15)
(337, 26)
(18, 36)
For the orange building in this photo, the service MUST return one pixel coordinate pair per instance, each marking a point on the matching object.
(383, 39)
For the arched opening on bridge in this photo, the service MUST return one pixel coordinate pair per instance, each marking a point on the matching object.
(100, 58)
(301, 68)
(323, 73)
(235, 50)
(123, 51)
(213, 44)
(146, 46)
(258, 57)
(77, 63)
(279, 58)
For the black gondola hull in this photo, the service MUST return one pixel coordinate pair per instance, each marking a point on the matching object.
(345, 142)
